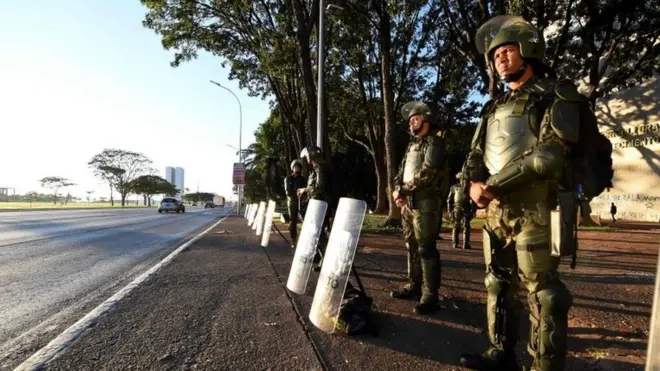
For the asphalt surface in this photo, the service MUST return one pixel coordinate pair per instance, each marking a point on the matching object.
(222, 305)
(219, 305)
(56, 265)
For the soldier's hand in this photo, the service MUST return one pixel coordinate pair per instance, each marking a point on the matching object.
(400, 202)
(480, 193)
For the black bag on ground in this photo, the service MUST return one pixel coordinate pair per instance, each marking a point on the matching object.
(355, 314)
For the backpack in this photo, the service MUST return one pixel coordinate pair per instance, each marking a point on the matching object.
(355, 314)
(590, 161)
(591, 156)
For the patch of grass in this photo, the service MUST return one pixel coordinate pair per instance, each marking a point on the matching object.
(598, 228)
(373, 224)
(71, 205)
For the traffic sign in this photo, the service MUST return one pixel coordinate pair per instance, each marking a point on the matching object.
(239, 173)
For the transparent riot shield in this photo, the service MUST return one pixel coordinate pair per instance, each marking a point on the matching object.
(253, 214)
(268, 223)
(337, 263)
(653, 351)
(303, 258)
(259, 223)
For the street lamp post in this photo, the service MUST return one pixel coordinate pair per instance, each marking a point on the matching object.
(240, 142)
(331, 8)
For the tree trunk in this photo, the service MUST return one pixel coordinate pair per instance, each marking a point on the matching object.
(123, 199)
(303, 32)
(394, 215)
(381, 188)
(112, 200)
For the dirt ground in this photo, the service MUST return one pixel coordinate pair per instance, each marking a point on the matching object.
(612, 288)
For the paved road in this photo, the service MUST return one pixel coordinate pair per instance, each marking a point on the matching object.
(56, 265)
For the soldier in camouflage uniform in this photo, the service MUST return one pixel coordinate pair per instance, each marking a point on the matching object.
(292, 183)
(461, 210)
(416, 192)
(517, 170)
(317, 188)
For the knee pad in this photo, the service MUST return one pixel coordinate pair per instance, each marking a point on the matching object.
(555, 299)
(428, 251)
(494, 284)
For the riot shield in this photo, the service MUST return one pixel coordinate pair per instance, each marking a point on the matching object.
(259, 222)
(253, 214)
(337, 263)
(268, 223)
(303, 258)
(653, 351)
(247, 211)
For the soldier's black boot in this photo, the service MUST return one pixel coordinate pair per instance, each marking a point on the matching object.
(408, 291)
(429, 302)
(467, 246)
(493, 359)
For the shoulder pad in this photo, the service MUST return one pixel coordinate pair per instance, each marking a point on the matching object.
(565, 90)
(486, 108)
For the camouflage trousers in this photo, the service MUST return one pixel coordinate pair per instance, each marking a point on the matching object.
(461, 222)
(420, 229)
(517, 249)
(292, 207)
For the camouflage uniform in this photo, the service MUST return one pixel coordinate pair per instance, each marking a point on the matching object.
(317, 188)
(520, 150)
(418, 180)
(462, 211)
(292, 183)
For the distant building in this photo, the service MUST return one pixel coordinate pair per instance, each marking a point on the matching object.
(179, 180)
(169, 174)
(631, 120)
(176, 176)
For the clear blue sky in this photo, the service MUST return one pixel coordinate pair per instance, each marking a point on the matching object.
(77, 76)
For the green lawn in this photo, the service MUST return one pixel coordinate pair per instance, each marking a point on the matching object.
(50, 205)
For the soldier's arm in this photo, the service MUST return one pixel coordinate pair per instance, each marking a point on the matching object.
(398, 179)
(450, 198)
(474, 167)
(546, 160)
(288, 186)
(434, 157)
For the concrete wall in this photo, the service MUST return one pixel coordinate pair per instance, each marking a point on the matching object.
(631, 120)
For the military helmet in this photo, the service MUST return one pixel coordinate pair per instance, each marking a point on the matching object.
(312, 153)
(508, 29)
(416, 108)
(294, 163)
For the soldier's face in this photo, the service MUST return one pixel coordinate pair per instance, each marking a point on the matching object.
(415, 123)
(296, 170)
(507, 59)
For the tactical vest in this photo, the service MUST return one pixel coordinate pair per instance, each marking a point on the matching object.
(414, 161)
(512, 130)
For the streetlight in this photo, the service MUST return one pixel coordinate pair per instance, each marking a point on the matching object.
(332, 9)
(240, 141)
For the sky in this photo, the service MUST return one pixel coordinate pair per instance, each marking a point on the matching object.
(78, 76)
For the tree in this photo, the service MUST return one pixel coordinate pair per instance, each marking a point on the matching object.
(31, 197)
(118, 168)
(89, 196)
(55, 183)
(199, 197)
(149, 185)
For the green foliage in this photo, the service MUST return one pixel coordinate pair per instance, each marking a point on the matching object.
(55, 183)
(198, 197)
(381, 54)
(118, 168)
(149, 185)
